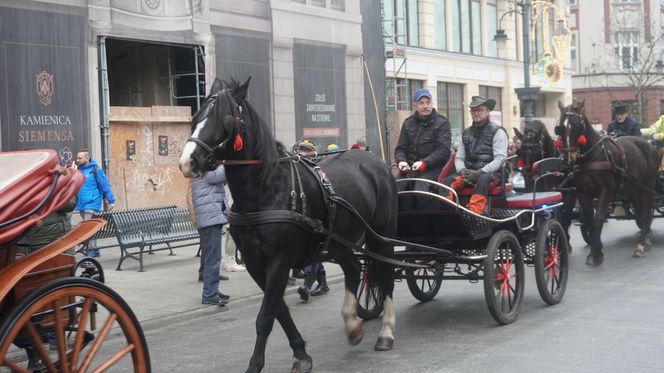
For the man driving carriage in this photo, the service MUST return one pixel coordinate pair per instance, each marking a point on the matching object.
(624, 124)
(424, 141)
(482, 150)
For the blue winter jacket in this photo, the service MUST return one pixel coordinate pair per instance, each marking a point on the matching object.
(209, 198)
(89, 196)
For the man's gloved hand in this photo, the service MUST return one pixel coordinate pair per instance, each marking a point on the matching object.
(470, 176)
(419, 166)
(403, 167)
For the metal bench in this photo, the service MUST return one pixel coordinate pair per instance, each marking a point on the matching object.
(145, 228)
(109, 231)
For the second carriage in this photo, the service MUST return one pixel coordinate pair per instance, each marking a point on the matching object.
(442, 240)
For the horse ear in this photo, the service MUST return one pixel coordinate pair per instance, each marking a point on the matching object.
(561, 106)
(242, 91)
(216, 86)
(518, 133)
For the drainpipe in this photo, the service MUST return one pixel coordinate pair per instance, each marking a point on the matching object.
(103, 102)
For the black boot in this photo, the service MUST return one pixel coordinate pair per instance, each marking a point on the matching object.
(305, 289)
(322, 285)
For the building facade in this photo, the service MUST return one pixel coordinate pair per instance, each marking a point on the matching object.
(619, 57)
(449, 47)
(123, 77)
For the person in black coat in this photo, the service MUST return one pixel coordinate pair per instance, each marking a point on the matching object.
(425, 140)
(624, 124)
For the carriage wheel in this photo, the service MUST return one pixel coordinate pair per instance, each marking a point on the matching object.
(73, 324)
(551, 262)
(88, 268)
(369, 298)
(503, 277)
(424, 283)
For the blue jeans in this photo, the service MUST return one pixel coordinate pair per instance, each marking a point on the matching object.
(92, 250)
(211, 255)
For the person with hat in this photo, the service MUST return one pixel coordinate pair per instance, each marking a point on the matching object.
(482, 150)
(424, 142)
(360, 144)
(624, 124)
(305, 147)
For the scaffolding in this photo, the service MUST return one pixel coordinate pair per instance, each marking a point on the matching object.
(395, 37)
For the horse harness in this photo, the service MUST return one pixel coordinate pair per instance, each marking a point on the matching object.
(301, 219)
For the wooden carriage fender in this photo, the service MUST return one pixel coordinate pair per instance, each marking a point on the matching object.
(12, 274)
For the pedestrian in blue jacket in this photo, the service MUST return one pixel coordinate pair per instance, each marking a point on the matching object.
(94, 190)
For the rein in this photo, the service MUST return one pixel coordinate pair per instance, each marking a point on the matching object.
(295, 158)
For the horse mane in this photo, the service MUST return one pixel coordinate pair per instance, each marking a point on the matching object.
(264, 146)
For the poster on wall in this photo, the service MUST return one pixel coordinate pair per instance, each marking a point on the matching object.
(43, 98)
(320, 97)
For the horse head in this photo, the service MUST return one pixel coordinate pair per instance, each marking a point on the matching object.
(571, 130)
(536, 144)
(226, 127)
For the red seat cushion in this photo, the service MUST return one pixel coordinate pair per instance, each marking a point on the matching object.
(447, 168)
(525, 200)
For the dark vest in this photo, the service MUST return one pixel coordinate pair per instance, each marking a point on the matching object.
(478, 143)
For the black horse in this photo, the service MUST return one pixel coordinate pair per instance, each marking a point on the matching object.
(282, 210)
(605, 168)
(536, 144)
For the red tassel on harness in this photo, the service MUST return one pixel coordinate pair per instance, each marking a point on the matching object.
(519, 164)
(581, 141)
(238, 144)
(558, 144)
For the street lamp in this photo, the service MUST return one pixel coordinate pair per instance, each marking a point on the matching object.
(527, 95)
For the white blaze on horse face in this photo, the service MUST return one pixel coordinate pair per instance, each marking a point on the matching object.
(189, 147)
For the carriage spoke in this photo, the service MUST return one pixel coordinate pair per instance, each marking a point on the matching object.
(97, 343)
(80, 332)
(60, 336)
(39, 346)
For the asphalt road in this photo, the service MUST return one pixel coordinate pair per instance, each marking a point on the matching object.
(610, 320)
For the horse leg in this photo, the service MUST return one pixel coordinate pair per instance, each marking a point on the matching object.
(353, 326)
(643, 221)
(588, 218)
(598, 223)
(383, 273)
(273, 283)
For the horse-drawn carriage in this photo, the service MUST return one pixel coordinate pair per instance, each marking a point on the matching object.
(288, 211)
(56, 314)
(442, 240)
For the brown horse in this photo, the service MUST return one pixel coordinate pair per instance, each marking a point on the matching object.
(605, 168)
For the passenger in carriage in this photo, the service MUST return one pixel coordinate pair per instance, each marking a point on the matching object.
(656, 133)
(424, 142)
(624, 124)
(482, 150)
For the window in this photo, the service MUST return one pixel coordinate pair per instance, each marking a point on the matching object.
(401, 22)
(495, 93)
(402, 100)
(572, 54)
(491, 27)
(338, 5)
(439, 24)
(320, 3)
(466, 26)
(573, 3)
(450, 105)
(626, 50)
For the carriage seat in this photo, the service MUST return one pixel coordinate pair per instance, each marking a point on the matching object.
(526, 201)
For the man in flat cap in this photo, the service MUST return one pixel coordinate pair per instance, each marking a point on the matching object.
(482, 150)
(624, 124)
(424, 141)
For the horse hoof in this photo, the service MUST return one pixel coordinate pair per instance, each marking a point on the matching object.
(302, 366)
(639, 252)
(384, 344)
(356, 335)
(595, 260)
